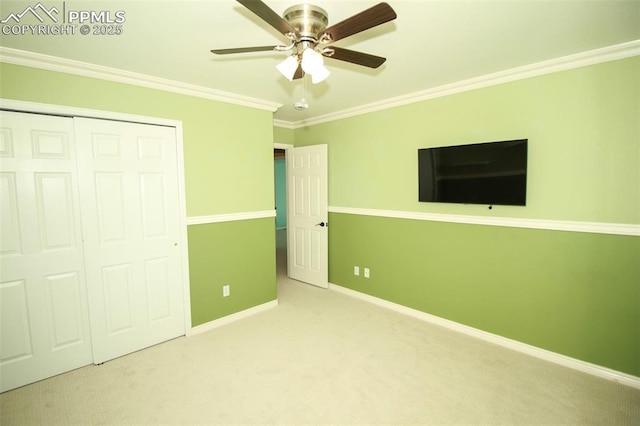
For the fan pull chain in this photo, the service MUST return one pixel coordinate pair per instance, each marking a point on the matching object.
(302, 104)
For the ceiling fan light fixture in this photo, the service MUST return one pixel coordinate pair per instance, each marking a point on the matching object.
(306, 26)
(320, 74)
(288, 67)
(313, 64)
(311, 61)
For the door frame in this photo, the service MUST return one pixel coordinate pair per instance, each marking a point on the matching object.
(61, 110)
(286, 147)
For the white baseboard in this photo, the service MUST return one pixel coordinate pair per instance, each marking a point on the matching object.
(576, 364)
(202, 328)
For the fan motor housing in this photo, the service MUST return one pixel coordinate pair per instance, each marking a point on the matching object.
(307, 19)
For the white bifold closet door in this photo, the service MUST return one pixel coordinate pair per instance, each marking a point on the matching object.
(44, 320)
(131, 229)
(90, 263)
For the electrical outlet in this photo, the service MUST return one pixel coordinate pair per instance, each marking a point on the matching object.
(356, 270)
(225, 291)
(366, 272)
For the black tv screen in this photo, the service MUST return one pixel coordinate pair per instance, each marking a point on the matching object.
(492, 173)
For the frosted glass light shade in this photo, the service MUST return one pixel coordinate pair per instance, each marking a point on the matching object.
(320, 74)
(288, 67)
(311, 61)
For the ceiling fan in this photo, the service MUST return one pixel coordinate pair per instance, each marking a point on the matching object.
(305, 26)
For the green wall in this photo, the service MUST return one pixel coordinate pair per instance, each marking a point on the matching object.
(573, 293)
(583, 127)
(228, 169)
(238, 259)
(283, 135)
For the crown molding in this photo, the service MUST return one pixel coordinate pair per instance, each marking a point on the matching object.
(284, 124)
(68, 66)
(591, 57)
(53, 63)
(511, 222)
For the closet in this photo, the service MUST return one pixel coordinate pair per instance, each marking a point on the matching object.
(91, 261)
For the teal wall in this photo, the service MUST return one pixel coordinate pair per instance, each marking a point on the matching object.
(280, 183)
(228, 169)
(573, 293)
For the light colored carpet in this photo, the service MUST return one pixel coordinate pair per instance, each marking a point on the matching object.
(322, 357)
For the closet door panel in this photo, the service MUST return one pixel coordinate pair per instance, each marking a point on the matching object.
(131, 226)
(44, 319)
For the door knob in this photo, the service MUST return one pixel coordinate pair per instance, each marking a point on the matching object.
(322, 224)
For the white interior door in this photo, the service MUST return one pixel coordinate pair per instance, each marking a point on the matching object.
(44, 321)
(307, 215)
(131, 228)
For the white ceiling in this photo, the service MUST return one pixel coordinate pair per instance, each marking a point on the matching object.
(430, 44)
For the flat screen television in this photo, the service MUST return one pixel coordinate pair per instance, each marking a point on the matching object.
(491, 173)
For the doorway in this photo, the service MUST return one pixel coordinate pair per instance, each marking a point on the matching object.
(306, 233)
(280, 185)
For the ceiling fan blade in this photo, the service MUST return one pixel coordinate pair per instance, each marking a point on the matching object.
(243, 50)
(374, 16)
(354, 57)
(265, 13)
